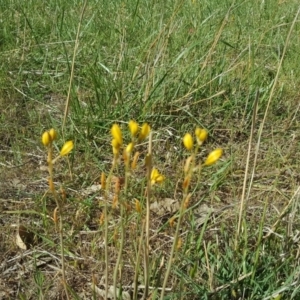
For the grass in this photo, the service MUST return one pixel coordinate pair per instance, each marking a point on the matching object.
(229, 67)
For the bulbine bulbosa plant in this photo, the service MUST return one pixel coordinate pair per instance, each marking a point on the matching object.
(190, 166)
(132, 212)
(48, 138)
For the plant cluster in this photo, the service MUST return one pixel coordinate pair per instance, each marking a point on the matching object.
(128, 155)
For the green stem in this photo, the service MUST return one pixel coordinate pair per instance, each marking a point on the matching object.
(106, 226)
(123, 224)
(147, 233)
(60, 213)
(188, 174)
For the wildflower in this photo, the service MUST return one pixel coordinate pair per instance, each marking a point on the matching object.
(145, 130)
(116, 146)
(188, 141)
(129, 148)
(156, 177)
(117, 134)
(213, 157)
(46, 138)
(67, 148)
(133, 127)
(201, 135)
(53, 134)
(127, 152)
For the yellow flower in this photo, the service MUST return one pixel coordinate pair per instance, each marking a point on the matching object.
(116, 146)
(46, 138)
(66, 148)
(156, 177)
(213, 157)
(129, 148)
(117, 134)
(145, 130)
(116, 150)
(53, 134)
(201, 135)
(133, 127)
(188, 141)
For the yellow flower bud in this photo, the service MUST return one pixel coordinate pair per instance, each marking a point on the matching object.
(156, 177)
(66, 148)
(201, 135)
(117, 134)
(53, 134)
(188, 141)
(115, 143)
(145, 130)
(133, 127)
(213, 157)
(116, 150)
(129, 148)
(46, 138)
(116, 146)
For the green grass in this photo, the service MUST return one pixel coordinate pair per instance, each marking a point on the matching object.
(176, 65)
